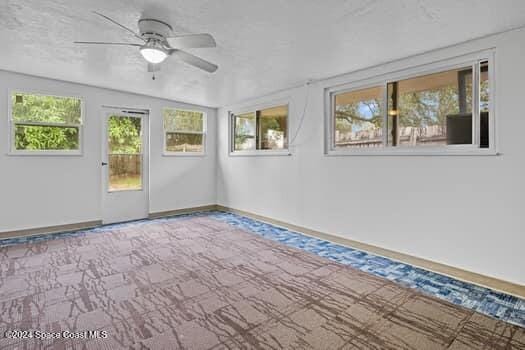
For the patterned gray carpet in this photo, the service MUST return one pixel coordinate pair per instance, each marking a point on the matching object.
(197, 283)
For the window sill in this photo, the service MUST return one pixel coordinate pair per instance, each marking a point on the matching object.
(440, 152)
(183, 154)
(260, 153)
(45, 153)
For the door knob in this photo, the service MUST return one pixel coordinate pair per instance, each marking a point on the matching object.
(104, 163)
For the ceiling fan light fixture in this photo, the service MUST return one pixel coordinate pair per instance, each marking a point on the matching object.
(153, 55)
(153, 51)
(155, 45)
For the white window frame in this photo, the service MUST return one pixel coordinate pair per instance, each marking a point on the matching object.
(258, 152)
(12, 151)
(382, 80)
(167, 153)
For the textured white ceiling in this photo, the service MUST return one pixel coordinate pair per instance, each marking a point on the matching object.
(263, 45)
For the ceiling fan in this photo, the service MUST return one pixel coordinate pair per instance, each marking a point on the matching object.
(157, 42)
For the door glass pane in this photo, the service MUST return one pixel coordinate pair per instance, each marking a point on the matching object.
(245, 132)
(434, 109)
(125, 153)
(358, 118)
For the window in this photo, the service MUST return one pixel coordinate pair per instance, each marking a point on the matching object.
(260, 130)
(184, 132)
(438, 111)
(45, 124)
(358, 118)
(434, 109)
(245, 127)
(125, 155)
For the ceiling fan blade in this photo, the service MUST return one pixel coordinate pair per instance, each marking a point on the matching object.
(120, 25)
(192, 41)
(194, 60)
(105, 43)
(152, 68)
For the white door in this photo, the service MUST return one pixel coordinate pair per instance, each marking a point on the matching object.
(125, 165)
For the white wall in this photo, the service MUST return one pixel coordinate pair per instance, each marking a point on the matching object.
(39, 191)
(464, 211)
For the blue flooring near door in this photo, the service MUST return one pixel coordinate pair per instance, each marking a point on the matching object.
(495, 304)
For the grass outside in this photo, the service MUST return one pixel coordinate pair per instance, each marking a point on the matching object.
(125, 182)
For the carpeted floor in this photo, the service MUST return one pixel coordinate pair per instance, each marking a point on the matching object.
(199, 283)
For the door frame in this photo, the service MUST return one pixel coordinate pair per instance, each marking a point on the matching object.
(104, 169)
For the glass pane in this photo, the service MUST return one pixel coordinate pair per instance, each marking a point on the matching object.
(273, 128)
(41, 138)
(177, 120)
(125, 153)
(358, 118)
(484, 87)
(484, 104)
(181, 142)
(124, 135)
(244, 132)
(125, 172)
(434, 109)
(49, 109)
